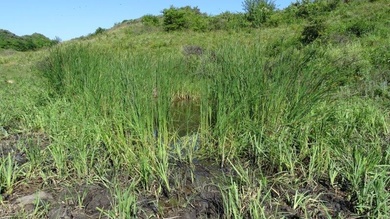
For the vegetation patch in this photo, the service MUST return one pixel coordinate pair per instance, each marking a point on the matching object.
(35, 41)
(185, 115)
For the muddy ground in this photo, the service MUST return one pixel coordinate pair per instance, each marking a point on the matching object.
(198, 196)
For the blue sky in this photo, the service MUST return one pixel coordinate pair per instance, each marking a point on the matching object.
(68, 19)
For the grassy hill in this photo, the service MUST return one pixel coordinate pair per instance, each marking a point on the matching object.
(35, 41)
(264, 114)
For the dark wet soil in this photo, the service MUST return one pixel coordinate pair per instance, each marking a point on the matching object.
(324, 201)
(85, 201)
(195, 193)
(17, 144)
(196, 196)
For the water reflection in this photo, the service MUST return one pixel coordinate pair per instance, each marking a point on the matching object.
(185, 117)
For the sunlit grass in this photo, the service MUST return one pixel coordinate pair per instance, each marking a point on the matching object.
(276, 111)
(281, 116)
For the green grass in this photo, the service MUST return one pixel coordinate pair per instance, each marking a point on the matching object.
(280, 114)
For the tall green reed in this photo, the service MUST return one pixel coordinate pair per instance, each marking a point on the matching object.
(269, 97)
(126, 97)
(277, 111)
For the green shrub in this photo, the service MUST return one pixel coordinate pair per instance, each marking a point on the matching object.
(330, 5)
(150, 20)
(35, 41)
(258, 11)
(99, 30)
(312, 31)
(184, 18)
(174, 19)
(307, 8)
(303, 9)
(39, 40)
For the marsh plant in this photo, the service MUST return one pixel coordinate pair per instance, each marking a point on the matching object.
(283, 121)
(275, 111)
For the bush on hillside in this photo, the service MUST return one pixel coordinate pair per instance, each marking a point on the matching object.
(312, 31)
(305, 9)
(150, 20)
(258, 11)
(99, 30)
(229, 21)
(308, 8)
(35, 41)
(183, 18)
